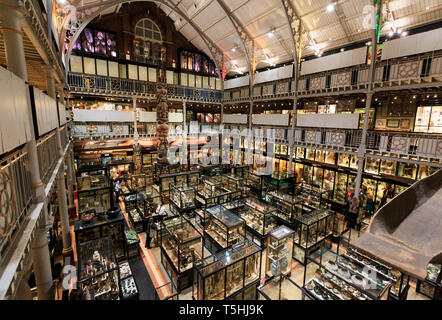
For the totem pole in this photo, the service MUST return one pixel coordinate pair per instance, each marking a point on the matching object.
(162, 118)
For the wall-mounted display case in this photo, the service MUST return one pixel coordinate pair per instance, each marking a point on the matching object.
(232, 274)
(181, 245)
(279, 252)
(260, 219)
(98, 271)
(337, 278)
(224, 229)
(310, 231)
(182, 199)
(101, 228)
(280, 287)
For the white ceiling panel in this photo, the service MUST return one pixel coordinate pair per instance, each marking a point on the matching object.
(329, 29)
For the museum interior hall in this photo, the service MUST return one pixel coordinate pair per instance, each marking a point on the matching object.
(220, 150)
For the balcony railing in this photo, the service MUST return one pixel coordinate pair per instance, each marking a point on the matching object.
(389, 73)
(398, 143)
(16, 196)
(47, 151)
(109, 84)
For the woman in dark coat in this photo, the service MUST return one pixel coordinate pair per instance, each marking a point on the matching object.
(150, 231)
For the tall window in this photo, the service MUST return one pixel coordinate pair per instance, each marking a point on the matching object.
(148, 42)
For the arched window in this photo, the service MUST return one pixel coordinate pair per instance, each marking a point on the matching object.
(148, 30)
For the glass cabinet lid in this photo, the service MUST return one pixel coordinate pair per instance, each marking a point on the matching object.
(227, 257)
(315, 216)
(260, 206)
(281, 232)
(228, 218)
(181, 229)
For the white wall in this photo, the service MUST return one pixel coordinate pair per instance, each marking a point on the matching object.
(237, 82)
(271, 119)
(274, 74)
(46, 110)
(415, 44)
(235, 118)
(144, 116)
(342, 121)
(62, 113)
(81, 115)
(15, 128)
(176, 117)
(335, 61)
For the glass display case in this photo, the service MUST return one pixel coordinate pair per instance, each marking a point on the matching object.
(370, 266)
(241, 171)
(182, 199)
(310, 231)
(139, 182)
(429, 285)
(279, 252)
(181, 245)
(94, 202)
(224, 229)
(101, 228)
(189, 178)
(98, 272)
(254, 182)
(94, 190)
(313, 196)
(259, 217)
(132, 243)
(336, 278)
(232, 274)
(288, 206)
(279, 181)
(129, 288)
(161, 169)
(280, 287)
(150, 196)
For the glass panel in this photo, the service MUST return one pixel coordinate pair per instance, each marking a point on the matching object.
(235, 276)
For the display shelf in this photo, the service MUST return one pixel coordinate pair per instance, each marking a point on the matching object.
(310, 231)
(280, 287)
(232, 274)
(223, 230)
(181, 245)
(98, 272)
(98, 228)
(338, 279)
(279, 251)
(259, 217)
